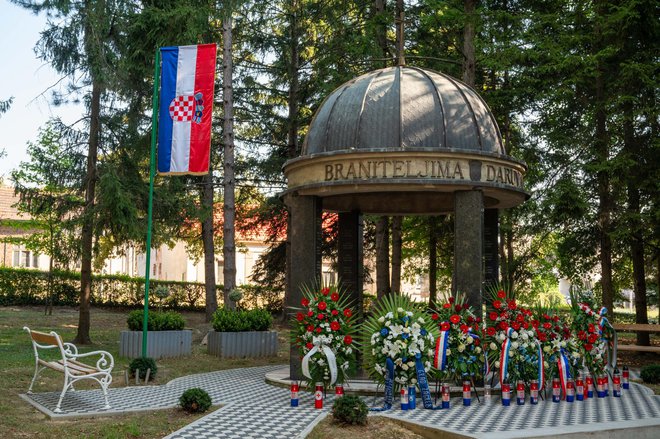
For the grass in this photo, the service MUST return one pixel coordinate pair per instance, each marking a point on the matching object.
(19, 419)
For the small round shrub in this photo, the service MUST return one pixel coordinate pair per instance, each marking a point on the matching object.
(195, 400)
(651, 374)
(141, 365)
(235, 295)
(351, 410)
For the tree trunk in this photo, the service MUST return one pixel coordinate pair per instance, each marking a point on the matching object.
(396, 253)
(49, 302)
(381, 29)
(433, 261)
(469, 61)
(207, 240)
(294, 84)
(400, 34)
(382, 257)
(635, 227)
(87, 232)
(228, 208)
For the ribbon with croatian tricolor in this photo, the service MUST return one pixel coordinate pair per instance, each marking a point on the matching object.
(541, 369)
(602, 323)
(504, 356)
(564, 371)
(183, 130)
(389, 387)
(329, 356)
(440, 359)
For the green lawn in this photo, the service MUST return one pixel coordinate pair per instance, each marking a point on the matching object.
(19, 419)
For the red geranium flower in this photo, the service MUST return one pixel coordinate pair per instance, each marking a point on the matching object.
(492, 315)
(348, 339)
(325, 291)
(323, 306)
(446, 305)
(490, 331)
(497, 304)
(444, 326)
(300, 317)
(434, 316)
(348, 312)
(335, 312)
(334, 297)
(455, 318)
(501, 294)
(309, 345)
(305, 302)
(335, 326)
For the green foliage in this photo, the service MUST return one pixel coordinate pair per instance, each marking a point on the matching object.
(350, 410)
(195, 400)
(141, 365)
(156, 320)
(230, 320)
(651, 374)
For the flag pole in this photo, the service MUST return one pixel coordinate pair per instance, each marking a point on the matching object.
(152, 172)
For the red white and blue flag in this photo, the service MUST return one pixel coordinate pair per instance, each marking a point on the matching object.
(186, 106)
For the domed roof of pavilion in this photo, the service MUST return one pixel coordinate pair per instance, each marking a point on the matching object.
(401, 108)
(404, 140)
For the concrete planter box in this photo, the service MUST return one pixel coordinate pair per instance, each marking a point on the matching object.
(251, 344)
(160, 344)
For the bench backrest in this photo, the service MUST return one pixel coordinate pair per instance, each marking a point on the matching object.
(43, 340)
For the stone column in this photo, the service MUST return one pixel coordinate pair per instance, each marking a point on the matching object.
(491, 248)
(468, 246)
(303, 257)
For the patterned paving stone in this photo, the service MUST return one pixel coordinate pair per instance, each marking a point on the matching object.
(254, 409)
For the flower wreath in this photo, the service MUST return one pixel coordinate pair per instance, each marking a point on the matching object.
(560, 348)
(399, 338)
(513, 347)
(459, 341)
(323, 331)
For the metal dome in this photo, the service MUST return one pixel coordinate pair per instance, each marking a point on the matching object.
(403, 108)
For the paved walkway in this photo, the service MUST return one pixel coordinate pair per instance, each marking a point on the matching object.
(254, 409)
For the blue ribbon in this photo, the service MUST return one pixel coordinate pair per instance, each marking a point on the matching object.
(424, 385)
(389, 387)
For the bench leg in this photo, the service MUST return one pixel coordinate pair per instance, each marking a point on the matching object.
(34, 378)
(67, 384)
(105, 383)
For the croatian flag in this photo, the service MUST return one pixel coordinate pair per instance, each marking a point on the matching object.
(186, 105)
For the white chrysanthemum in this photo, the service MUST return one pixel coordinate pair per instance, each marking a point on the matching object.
(492, 346)
(448, 352)
(404, 366)
(514, 345)
(525, 336)
(547, 349)
(497, 365)
(477, 350)
(511, 352)
(469, 340)
(514, 335)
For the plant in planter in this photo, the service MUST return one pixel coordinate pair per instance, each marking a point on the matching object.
(165, 335)
(242, 333)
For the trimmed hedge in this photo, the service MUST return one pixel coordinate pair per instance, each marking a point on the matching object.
(241, 320)
(156, 320)
(19, 286)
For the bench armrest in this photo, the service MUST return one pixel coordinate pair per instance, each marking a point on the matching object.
(70, 349)
(105, 363)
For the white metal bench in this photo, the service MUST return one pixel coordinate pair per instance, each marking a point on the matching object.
(69, 365)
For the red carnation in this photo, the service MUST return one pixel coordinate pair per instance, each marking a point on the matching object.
(490, 331)
(555, 318)
(325, 291)
(335, 312)
(588, 346)
(477, 342)
(318, 330)
(320, 316)
(582, 335)
(497, 304)
(592, 338)
(434, 316)
(592, 328)
(334, 297)
(478, 320)
(335, 326)
(512, 304)
(492, 316)
(543, 337)
(310, 313)
(309, 345)
(516, 326)
(305, 302)
(520, 318)
(457, 307)
(451, 300)
(547, 325)
(501, 294)
(470, 319)
(464, 328)
(444, 326)
(300, 317)
(535, 324)
(526, 325)
(310, 328)
(348, 339)
(455, 318)
(504, 326)
(348, 312)
(323, 306)
(446, 305)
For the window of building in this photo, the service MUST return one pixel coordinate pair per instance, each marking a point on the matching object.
(25, 258)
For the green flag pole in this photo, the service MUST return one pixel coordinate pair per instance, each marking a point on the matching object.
(152, 172)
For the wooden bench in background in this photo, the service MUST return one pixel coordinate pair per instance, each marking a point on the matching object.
(637, 327)
(68, 364)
